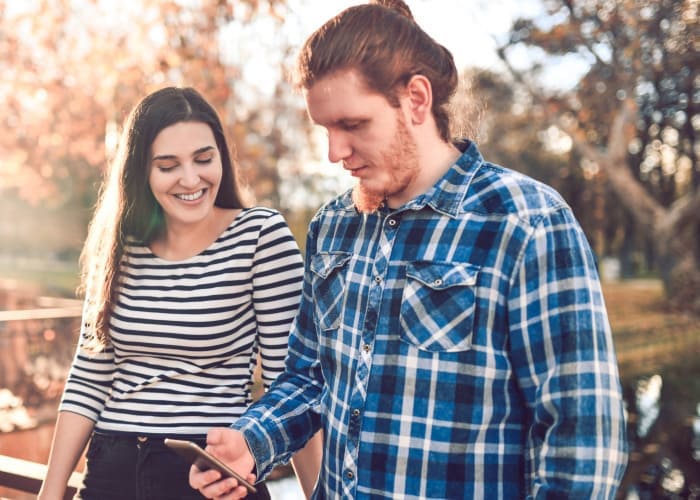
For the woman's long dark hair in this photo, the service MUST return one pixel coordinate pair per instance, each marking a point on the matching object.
(126, 209)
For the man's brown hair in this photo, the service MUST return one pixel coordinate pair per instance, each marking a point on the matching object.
(382, 41)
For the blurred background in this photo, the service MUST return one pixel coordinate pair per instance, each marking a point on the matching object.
(598, 98)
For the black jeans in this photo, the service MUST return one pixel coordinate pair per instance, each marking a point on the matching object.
(131, 468)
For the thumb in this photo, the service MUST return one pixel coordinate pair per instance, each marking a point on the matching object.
(215, 436)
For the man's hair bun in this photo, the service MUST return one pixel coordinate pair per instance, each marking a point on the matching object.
(397, 5)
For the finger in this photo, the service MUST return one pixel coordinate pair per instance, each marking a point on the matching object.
(201, 479)
(224, 489)
(235, 494)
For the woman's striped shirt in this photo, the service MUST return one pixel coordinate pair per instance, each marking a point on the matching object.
(185, 335)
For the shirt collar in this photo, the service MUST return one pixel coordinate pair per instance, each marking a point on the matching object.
(448, 194)
(445, 196)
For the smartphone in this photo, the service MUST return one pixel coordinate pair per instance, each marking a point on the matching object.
(194, 454)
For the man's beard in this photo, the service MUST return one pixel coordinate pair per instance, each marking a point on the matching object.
(402, 158)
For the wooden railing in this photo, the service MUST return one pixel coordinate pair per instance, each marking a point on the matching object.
(26, 476)
(43, 313)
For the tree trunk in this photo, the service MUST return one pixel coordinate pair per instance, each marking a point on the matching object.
(672, 229)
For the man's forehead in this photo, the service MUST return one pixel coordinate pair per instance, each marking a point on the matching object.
(342, 78)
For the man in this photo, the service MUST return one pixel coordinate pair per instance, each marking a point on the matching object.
(452, 340)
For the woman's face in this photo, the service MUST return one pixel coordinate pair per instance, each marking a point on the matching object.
(185, 172)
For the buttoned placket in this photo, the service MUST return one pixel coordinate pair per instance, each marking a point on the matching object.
(359, 395)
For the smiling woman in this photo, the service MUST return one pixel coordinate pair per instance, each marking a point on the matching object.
(188, 288)
(185, 177)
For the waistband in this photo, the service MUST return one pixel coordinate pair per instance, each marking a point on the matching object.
(146, 438)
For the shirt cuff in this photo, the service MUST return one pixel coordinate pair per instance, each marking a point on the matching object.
(259, 444)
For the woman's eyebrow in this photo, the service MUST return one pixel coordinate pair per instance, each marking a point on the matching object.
(173, 157)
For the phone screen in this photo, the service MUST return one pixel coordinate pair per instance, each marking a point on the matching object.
(194, 454)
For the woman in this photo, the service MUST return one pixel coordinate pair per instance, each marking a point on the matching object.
(186, 287)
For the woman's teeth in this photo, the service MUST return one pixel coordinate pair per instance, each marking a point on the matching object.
(191, 197)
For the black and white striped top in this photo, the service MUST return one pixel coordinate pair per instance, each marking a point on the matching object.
(186, 334)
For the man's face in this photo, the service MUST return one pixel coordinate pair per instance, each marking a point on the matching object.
(369, 137)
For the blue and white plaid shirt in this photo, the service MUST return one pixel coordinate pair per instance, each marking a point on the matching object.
(457, 347)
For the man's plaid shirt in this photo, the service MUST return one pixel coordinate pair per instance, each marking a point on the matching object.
(458, 347)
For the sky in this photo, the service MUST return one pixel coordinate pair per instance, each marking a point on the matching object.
(468, 28)
(465, 27)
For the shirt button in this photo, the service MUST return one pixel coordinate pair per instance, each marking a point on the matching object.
(437, 282)
(377, 279)
(391, 222)
(349, 474)
(366, 347)
(355, 412)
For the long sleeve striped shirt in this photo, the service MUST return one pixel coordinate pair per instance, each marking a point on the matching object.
(186, 335)
(457, 347)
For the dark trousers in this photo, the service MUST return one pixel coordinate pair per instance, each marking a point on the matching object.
(131, 468)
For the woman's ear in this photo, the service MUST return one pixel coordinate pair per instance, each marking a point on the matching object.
(419, 95)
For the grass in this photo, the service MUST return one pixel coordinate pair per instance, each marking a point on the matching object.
(647, 335)
(57, 279)
(651, 339)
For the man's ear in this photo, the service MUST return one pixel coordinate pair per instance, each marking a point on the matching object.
(419, 95)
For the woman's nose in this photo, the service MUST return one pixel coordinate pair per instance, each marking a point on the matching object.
(190, 176)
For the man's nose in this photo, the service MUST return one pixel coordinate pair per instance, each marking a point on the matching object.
(338, 147)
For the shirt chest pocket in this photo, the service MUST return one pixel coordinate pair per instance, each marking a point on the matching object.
(328, 285)
(437, 306)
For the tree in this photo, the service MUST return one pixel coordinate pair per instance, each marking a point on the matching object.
(72, 69)
(632, 116)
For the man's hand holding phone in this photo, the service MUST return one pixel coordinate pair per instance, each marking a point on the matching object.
(230, 447)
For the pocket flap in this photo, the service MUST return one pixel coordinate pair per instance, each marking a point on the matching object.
(322, 264)
(441, 275)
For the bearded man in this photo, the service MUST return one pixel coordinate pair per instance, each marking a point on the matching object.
(452, 339)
